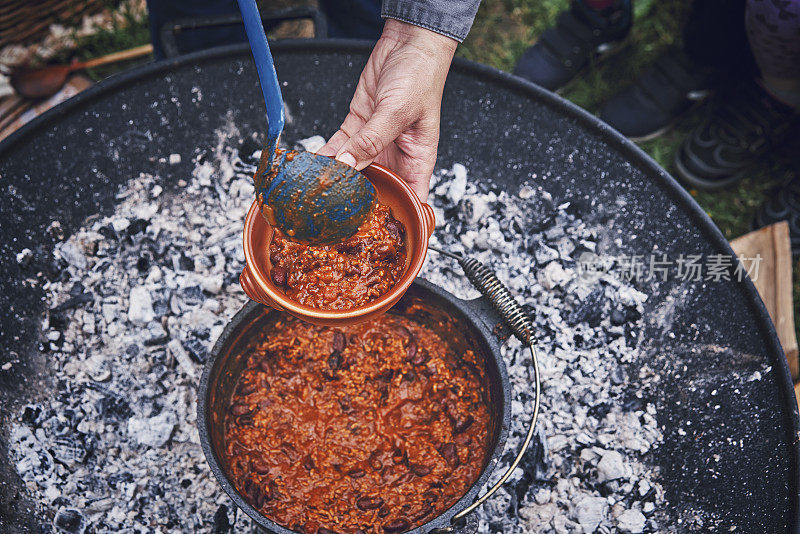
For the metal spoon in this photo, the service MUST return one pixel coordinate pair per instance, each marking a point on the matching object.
(311, 198)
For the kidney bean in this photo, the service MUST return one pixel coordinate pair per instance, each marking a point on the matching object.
(384, 511)
(405, 332)
(463, 439)
(461, 425)
(279, 275)
(396, 526)
(245, 388)
(386, 374)
(420, 357)
(411, 351)
(259, 466)
(399, 456)
(394, 228)
(323, 530)
(265, 365)
(420, 470)
(374, 279)
(450, 454)
(381, 252)
(260, 498)
(240, 409)
(369, 503)
(335, 360)
(308, 462)
(356, 473)
(245, 420)
(339, 341)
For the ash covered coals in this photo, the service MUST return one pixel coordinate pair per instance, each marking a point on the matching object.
(136, 300)
(587, 470)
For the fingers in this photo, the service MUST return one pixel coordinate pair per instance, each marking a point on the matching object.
(365, 144)
(331, 148)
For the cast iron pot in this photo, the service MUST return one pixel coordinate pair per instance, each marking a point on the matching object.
(474, 320)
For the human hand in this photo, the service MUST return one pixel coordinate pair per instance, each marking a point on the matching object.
(395, 111)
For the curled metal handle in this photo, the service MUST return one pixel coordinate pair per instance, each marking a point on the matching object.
(487, 282)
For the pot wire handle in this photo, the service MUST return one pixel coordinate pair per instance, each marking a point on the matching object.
(487, 282)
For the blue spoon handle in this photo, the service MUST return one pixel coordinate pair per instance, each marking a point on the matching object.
(266, 72)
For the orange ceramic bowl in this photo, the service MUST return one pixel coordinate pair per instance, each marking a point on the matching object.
(406, 207)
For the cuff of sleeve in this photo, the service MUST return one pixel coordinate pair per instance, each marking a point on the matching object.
(453, 19)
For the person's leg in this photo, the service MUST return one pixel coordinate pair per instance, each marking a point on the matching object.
(590, 29)
(773, 29)
(748, 119)
(714, 37)
(353, 19)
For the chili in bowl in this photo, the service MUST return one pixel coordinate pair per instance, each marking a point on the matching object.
(387, 426)
(401, 222)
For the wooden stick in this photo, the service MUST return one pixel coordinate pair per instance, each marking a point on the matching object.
(131, 53)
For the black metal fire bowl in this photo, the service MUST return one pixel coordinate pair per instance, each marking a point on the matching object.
(68, 164)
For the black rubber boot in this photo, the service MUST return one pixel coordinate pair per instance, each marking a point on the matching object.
(579, 35)
(745, 124)
(648, 107)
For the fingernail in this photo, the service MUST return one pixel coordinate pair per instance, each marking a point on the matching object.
(347, 159)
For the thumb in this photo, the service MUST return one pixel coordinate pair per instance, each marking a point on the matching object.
(382, 128)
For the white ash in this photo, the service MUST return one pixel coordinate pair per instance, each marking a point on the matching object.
(146, 291)
(586, 472)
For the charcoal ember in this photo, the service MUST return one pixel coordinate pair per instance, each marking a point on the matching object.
(31, 415)
(590, 310)
(618, 317)
(69, 521)
(161, 305)
(192, 295)
(196, 349)
(137, 226)
(72, 302)
(72, 450)
(114, 408)
(117, 479)
(156, 335)
(222, 523)
(185, 263)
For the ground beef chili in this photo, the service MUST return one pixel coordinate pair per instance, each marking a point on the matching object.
(373, 428)
(345, 275)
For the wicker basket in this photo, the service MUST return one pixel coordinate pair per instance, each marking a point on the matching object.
(27, 20)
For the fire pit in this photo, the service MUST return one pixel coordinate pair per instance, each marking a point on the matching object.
(670, 398)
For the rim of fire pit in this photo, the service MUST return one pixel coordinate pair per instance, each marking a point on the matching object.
(626, 149)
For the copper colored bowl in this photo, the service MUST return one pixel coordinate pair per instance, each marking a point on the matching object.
(393, 191)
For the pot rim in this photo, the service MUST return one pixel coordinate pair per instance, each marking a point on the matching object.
(481, 327)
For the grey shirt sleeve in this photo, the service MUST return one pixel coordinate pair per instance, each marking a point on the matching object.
(452, 18)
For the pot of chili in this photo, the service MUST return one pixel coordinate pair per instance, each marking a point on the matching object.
(301, 451)
(349, 282)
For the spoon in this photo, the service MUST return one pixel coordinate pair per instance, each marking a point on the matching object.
(311, 198)
(47, 81)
